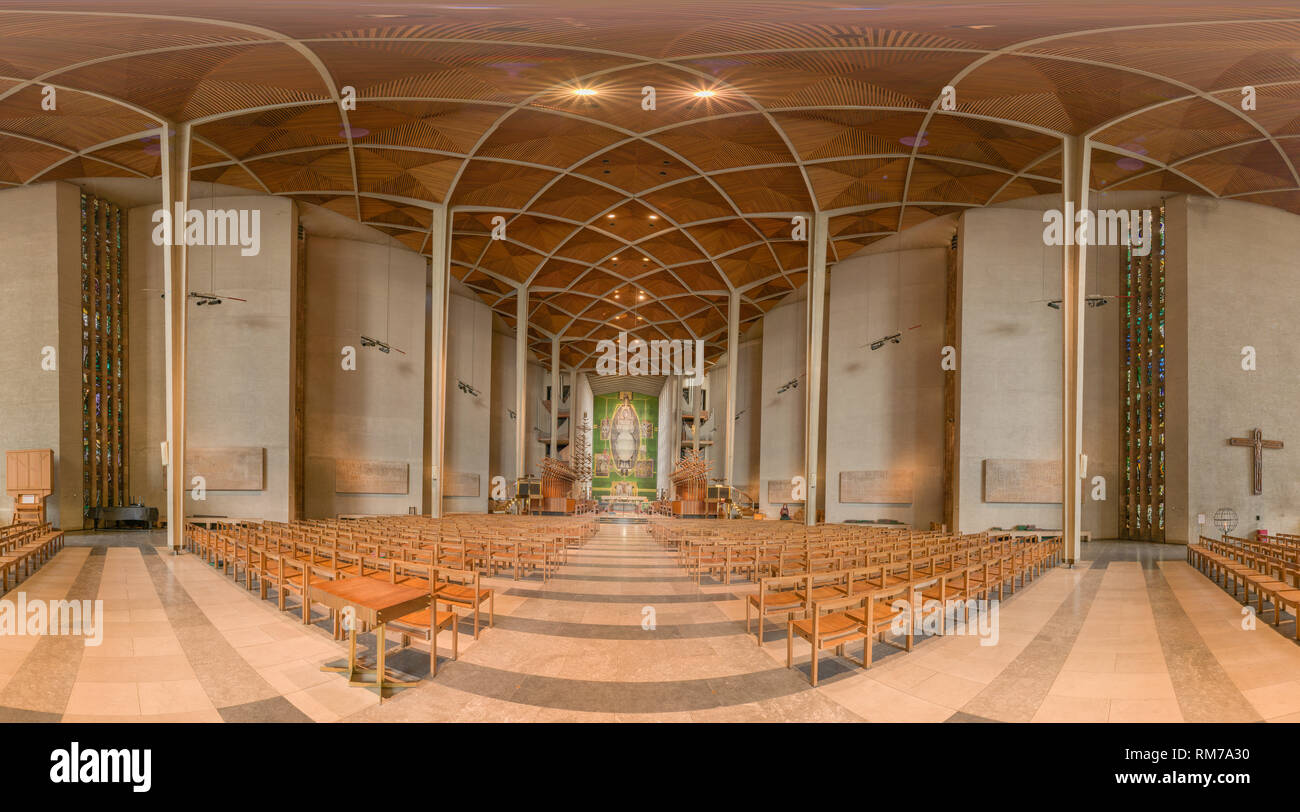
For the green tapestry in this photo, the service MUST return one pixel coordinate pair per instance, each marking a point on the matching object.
(624, 446)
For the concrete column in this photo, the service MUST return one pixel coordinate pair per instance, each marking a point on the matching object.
(816, 324)
(521, 380)
(439, 287)
(556, 391)
(733, 376)
(175, 147)
(1076, 163)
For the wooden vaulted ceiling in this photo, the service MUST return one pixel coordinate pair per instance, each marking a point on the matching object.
(646, 220)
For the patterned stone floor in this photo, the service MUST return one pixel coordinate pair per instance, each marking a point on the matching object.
(622, 634)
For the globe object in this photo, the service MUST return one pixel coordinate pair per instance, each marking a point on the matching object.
(1226, 520)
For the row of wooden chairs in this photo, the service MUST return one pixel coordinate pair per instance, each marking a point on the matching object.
(24, 548)
(866, 603)
(520, 556)
(842, 606)
(1236, 562)
(291, 566)
(756, 560)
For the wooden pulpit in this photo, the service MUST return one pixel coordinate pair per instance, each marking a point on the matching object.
(29, 478)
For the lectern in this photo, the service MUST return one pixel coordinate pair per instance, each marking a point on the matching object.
(29, 478)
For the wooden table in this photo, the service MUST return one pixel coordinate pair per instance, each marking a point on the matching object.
(374, 602)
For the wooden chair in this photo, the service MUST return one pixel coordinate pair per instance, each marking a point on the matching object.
(831, 624)
(426, 623)
(463, 589)
(777, 595)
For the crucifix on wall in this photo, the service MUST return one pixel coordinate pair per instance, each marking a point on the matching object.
(1258, 443)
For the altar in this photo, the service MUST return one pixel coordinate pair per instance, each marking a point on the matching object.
(623, 503)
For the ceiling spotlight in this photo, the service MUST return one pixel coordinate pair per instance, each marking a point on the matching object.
(654, 217)
(645, 259)
(615, 295)
(583, 91)
(705, 94)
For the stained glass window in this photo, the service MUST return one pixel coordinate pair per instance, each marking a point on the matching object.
(1142, 509)
(103, 355)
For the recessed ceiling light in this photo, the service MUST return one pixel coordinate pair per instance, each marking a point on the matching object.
(611, 217)
(583, 91)
(645, 259)
(705, 94)
(654, 217)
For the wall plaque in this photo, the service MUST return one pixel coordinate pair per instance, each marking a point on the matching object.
(227, 469)
(371, 476)
(780, 492)
(876, 487)
(1023, 481)
(463, 484)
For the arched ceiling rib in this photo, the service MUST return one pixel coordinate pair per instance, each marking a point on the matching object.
(817, 107)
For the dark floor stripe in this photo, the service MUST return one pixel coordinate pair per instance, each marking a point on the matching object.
(610, 631)
(44, 682)
(226, 677)
(276, 709)
(1204, 690)
(1017, 692)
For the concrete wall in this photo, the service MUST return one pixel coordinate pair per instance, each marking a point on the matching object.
(40, 306)
(536, 417)
(1232, 283)
(501, 446)
(885, 407)
(467, 445)
(783, 359)
(238, 384)
(377, 411)
(1009, 367)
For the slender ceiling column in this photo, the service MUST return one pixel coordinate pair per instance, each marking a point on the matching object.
(521, 379)
(813, 376)
(175, 147)
(1077, 164)
(555, 396)
(439, 287)
(733, 365)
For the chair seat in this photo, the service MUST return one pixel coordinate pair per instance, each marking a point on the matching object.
(821, 593)
(884, 613)
(420, 619)
(831, 627)
(460, 594)
(776, 601)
